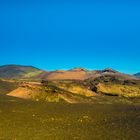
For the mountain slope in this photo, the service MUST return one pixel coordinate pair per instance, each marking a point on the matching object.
(119, 90)
(18, 71)
(7, 86)
(47, 92)
(77, 74)
(32, 73)
(82, 74)
(114, 86)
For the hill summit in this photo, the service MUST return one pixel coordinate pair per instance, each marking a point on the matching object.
(31, 72)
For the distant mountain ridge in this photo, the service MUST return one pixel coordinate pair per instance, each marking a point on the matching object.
(31, 72)
(137, 74)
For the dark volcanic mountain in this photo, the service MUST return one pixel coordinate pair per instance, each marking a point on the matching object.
(18, 71)
(137, 74)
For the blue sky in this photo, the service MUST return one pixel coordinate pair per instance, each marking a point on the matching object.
(62, 34)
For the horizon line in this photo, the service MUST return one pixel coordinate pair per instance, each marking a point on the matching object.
(66, 69)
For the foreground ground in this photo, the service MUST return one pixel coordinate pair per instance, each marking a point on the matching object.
(29, 120)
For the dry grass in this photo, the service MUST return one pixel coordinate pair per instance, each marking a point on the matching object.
(120, 90)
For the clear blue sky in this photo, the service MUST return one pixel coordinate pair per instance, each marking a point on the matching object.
(62, 34)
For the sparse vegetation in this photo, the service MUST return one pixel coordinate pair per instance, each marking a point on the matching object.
(26, 119)
(95, 114)
(120, 90)
(111, 85)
